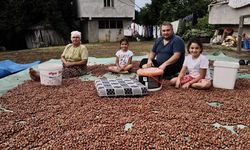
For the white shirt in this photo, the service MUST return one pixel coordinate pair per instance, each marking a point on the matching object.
(124, 56)
(194, 66)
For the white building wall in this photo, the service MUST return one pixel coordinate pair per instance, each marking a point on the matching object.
(95, 9)
(91, 11)
(223, 14)
(112, 35)
(93, 31)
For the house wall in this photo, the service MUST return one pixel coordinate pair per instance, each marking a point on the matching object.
(93, 31)
(94, 34)
(95, 9)
(91, 11)
(112, 35)
(223, 14)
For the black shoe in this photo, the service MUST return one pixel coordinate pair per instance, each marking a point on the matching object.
(242, 62)
(248, 62)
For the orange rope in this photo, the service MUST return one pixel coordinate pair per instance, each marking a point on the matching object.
(152, 77)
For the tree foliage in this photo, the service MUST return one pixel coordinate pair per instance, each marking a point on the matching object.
(171, 10)
(201, 30)
(17, 16)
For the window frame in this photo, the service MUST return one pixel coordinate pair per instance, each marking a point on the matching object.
(108, 3)
(110, 24)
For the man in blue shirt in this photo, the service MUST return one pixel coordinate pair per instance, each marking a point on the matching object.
(168, 52)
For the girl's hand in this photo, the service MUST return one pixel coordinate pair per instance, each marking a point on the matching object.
(122, 67)
(186, 85)
(119, 68)
(178, 83)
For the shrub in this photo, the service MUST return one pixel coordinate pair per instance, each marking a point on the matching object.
(201, 30)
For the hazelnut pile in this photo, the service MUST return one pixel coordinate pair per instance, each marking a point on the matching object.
(72, 116)
(100, 69)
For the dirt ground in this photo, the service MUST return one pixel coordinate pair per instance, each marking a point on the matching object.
(102, 50)
(99, 50)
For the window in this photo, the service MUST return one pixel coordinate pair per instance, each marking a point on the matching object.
(110, 24)
(119, 24)
(103, 24)
(108, 3)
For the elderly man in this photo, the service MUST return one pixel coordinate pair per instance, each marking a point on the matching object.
(168, 52)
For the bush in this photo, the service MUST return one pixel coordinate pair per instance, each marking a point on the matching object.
(202, 30)
(203, 24)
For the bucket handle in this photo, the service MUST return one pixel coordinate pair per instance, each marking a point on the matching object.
(152, 77)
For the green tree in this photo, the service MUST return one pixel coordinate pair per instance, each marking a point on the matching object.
(171, 10)
(16, 17)
(168, 11)
(144, 16)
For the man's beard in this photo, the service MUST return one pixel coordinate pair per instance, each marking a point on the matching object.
(167, 38)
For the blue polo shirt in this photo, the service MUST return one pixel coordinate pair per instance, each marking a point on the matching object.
(164, 52)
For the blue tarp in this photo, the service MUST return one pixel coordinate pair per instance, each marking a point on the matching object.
(8, 67)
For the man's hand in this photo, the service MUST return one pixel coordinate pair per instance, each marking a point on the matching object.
(173, 59)
(151, 57)
(162, 66)
(148, 64)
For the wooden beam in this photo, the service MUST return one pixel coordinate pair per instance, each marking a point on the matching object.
(240, 31)
(241, 23)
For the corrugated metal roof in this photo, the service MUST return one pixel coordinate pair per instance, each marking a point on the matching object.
(238, 3)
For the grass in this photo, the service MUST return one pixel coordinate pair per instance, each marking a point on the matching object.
(102, 50)
(95, 50)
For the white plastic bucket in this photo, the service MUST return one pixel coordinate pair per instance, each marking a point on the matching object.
(225, 74)
(50, 74)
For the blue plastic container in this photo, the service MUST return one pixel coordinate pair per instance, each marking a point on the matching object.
(246, 44)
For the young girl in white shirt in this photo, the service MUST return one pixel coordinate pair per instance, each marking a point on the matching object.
(123, 58)
(197, 66)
